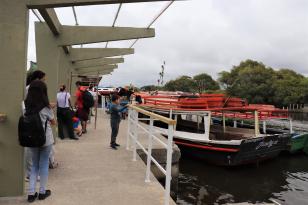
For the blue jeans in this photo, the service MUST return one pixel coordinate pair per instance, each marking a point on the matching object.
(28, 161)
(40, 165)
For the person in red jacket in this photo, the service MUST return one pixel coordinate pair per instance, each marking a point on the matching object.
(82, 113)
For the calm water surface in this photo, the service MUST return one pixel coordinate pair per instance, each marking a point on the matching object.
(284, 179)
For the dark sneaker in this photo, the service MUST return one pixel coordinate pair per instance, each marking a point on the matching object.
(44, 196)
(116, 144)
(113, 146)
(31, 198)
(74, 138)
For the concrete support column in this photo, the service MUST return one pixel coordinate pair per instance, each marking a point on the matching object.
(64, 69)
(13, 54)
(48, 57)
(73, 88)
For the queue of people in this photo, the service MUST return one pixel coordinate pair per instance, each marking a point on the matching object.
(38, 138)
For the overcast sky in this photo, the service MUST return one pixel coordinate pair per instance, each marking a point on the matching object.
(198, 36)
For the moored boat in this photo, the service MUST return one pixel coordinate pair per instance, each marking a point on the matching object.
(299, 143)
(197, 136)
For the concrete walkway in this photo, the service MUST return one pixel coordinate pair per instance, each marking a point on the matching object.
(90, 173)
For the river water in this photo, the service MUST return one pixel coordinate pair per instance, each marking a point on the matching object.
(284, 179)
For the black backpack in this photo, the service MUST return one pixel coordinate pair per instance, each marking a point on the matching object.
(88, 100)
(31, 132)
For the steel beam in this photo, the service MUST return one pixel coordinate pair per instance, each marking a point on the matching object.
(36, 4)
(96, 73)
(97, 62)
(82, 54)
(75, 35)
(96, 68)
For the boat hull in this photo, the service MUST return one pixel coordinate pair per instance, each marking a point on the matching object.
(250, 151)
(299, 143)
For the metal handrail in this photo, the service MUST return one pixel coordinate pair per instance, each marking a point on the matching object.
(156, 138)
(134, 129)
(153, 115)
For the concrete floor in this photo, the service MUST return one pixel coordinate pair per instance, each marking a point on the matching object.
(90, 173)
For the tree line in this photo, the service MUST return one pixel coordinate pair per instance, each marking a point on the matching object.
(251, 80)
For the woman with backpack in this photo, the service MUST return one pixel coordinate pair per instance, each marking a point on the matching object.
(37, 102)
(64, 113)
(36, 75)
(84, 101)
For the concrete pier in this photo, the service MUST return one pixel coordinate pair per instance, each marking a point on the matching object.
(91, 173)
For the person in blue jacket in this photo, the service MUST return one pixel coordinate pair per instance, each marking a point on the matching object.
(115, 119)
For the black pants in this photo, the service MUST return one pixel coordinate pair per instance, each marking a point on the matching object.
(114, 130)
(64, 116)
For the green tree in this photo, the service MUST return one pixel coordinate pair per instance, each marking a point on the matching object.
(150, 88)
(304, 83)
(290, 88)
(261, 84)
(183, 83)
(251, 80)
(205, 82)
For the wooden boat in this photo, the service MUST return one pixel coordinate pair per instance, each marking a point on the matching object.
(299, 143)
(198, 137)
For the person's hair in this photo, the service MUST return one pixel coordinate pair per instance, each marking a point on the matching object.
(37, 97)
(78, 83)
(29, 79)
(114, 98)
(37, 75)
(62, 88)
(90, 87)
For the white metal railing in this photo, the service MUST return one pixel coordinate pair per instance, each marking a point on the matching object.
(135, 127)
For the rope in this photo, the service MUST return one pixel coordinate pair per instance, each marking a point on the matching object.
(154, 20)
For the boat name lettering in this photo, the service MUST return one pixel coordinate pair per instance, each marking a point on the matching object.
(266, 144)
(252, 140)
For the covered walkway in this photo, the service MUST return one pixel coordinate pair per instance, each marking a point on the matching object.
(91, 173)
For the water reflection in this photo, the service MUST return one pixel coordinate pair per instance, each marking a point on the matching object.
(283, 179)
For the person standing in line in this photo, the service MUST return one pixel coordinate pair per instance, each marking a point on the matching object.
(94, 95)
(36, 75)
(64, 115)
(115, 119)
(82, 113)
(37, 102)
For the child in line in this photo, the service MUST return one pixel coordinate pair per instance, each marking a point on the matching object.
(77, 127)
(115, 119)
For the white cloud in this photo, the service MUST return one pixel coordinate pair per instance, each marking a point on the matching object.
(203, 36)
